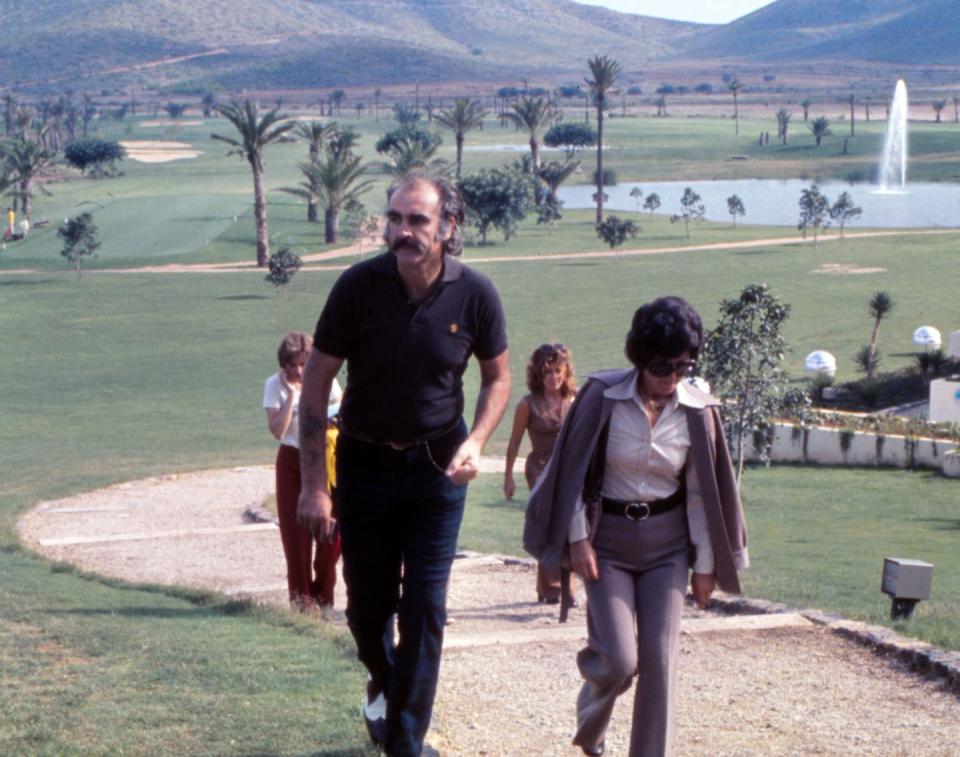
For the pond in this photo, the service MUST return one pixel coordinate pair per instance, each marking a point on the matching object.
(775, 203)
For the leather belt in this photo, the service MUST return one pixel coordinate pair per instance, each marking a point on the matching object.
(398, 445)
(636, 510)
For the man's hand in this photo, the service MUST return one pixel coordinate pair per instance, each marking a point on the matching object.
(315, 513)
(583, 560)
(702, 586)
(465, 464)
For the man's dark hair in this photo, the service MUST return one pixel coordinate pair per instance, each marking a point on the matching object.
(451, 204)
(664, 328)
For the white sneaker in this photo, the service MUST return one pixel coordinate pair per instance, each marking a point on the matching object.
(375, 713)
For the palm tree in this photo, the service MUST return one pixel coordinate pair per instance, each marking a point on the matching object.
(938, 106)
(555, 173)
(820, 128)
(336, 175)
(604, 71)
(407, 153)
(256, 132)
(533, 114)
(315, 133)
(735, 86)
(465, 115)
(25, 160)
(880, 306)
(307, 190)
(805, 104)
(9, 108)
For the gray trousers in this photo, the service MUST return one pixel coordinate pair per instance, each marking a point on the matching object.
(633, 623)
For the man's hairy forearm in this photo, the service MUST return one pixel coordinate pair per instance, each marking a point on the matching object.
(491, 405)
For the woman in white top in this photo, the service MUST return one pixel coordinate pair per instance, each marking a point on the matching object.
(310, 580)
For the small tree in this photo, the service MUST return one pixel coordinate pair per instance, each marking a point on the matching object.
(938, 106)
(844, 211)
(820, 128)
(571, 136)
(79, 237)
(742, 363)
(614, 231)
(814, 212)
(691, 209)
(98, 155)
(637, 194)
(735, 85)
(175, 110)
(652, 203)
(880, 306)
(735, 208)
(498, 198)
(284, 264)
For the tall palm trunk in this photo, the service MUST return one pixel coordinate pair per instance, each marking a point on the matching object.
(459, 153)
(260, 214)
(26, 191)
(599, 160)
(535, 169)
(312, 209)
(331, 220)
(872, 353)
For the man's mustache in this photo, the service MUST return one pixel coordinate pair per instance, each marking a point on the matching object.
(412, 244)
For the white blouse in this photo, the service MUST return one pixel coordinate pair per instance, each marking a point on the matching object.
(645, 463)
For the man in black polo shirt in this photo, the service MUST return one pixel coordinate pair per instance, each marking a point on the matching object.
(406, 322)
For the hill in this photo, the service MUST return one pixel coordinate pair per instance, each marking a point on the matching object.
(235, 44)
(919, 32)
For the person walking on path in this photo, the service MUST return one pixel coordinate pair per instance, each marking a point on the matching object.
(639, 488)
(310, 582)
(406, 322)
(552, 385)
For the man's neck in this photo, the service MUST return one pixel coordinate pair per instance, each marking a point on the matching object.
(418, 280)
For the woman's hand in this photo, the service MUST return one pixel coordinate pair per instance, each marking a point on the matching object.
(509, 487)
(702, 586)
(583, 560)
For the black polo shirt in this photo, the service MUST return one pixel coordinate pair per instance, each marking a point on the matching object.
(405, 360)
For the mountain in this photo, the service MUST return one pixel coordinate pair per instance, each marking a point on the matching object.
(195, 45)
(919, 32)
(315, 43)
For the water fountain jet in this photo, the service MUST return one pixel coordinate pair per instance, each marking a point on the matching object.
(893, 167)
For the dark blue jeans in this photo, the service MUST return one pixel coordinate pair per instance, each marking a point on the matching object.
(399, 518)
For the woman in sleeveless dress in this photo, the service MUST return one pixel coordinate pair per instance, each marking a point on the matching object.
(540, 414)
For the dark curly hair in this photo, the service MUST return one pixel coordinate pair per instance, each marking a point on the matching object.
(547, 356)
(451, 205)
(664, 328)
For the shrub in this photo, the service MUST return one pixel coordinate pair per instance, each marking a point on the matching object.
(931, 364)
(609, 177)
(284, 264)
(862, 359)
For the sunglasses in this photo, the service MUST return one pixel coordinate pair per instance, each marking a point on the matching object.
(663, 368)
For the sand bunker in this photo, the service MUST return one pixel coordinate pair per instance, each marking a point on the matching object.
(846, 268)
(171, 122)
(147, 151)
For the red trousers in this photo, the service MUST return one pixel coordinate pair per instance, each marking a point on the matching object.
(308, 581)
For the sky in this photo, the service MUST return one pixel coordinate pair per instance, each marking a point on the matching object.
(703, 11)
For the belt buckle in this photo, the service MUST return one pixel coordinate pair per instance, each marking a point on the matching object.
(637, 510)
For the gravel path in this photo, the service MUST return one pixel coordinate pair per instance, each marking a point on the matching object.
(749, 685)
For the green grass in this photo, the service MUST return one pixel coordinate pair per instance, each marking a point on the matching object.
(817, 538)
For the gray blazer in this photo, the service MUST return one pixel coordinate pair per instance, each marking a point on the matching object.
(554, 496)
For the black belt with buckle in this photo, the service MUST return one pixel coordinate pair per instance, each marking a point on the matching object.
(636, 510)
(396, 444)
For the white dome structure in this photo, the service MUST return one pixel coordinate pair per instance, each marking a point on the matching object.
(821, 361)
(927, 336)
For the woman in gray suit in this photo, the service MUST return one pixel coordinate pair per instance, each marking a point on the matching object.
(639, 489)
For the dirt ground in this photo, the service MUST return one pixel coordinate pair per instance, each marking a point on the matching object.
(749, 685)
